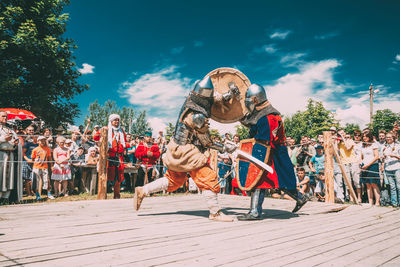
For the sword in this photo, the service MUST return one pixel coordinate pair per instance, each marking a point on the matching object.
(223, 179)
(255, 161)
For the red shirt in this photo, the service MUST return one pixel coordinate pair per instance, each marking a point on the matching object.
(117, 146)
(141, 153)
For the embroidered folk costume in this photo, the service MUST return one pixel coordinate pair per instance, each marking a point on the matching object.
(116, 146)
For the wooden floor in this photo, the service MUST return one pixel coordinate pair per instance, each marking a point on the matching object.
(175, 230)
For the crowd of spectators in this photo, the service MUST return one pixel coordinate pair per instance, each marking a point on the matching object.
(371, 163)
(54, 165)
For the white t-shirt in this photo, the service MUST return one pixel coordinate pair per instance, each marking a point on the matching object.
(391, 163)
(368, 153)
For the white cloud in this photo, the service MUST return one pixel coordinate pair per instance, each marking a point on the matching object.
(157, 124)
(160, 93)
(292, 59)
(291, 92)
(357, 108)
(177, 50)
(397, 57)
(270, 49)
(280, 34)
(86, 68)
(326, 36)
(316, 80)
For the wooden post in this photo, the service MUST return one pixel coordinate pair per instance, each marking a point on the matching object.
(346, 179)
(146, 178)
(102, 185)
(329, 179)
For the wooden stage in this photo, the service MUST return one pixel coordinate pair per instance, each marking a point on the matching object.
(175, 230)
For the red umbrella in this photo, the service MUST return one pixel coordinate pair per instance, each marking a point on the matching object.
(18, 114)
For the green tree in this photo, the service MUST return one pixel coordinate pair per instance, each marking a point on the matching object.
(384, 120)
(130, 121)
(214, 132)
(37, 69)
(351, 127)
(242, 131)
(140, 125)
(170, 129)
(311, 122)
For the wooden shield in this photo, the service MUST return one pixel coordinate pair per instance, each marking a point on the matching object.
(248, 174)
(234, 109)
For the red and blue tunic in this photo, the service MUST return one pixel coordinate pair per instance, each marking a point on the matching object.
(269, 129)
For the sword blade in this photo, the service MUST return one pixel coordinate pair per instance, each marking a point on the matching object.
(255, 161)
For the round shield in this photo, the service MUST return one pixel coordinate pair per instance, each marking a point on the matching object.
(231, 109)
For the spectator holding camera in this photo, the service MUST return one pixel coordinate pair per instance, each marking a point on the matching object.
(304, 153)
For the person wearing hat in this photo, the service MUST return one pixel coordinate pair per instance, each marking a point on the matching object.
(116, 146)
(147, 153)
(41, 157)
(266, 127)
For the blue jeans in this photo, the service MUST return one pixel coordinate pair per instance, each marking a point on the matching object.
(394, 182)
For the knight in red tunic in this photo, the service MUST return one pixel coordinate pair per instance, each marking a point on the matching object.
(266, 127)
(116, 145)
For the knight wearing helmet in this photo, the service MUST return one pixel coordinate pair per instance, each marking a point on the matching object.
(266, 127)
(188, 152)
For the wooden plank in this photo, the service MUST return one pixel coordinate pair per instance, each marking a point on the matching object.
(176, 229)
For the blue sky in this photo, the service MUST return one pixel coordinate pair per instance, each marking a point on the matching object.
(148, 54)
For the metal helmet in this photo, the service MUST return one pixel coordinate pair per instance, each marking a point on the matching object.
(204, 87)
(255, 95)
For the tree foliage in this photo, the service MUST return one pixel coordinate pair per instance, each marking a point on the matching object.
(170, 129)
(311, 122)
(242, 131)
(384, 120)
(214, 132)
(351, 127)
(131, 122)
(37, 69)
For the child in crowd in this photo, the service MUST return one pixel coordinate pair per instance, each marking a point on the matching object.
(40, 156)
(316, 164)
(224, 169)
(61, 169)
(92, 158)
(303, 181)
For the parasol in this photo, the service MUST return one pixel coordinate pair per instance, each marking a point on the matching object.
(18, 114)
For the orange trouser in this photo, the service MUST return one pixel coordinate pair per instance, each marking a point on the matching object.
(204, 177)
